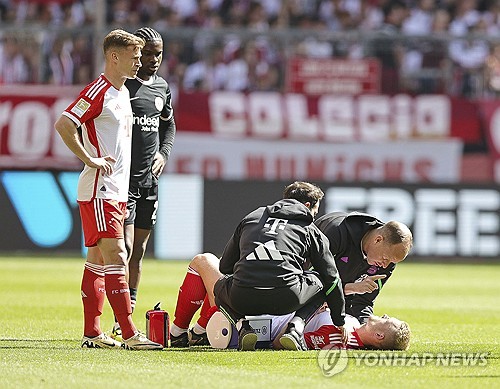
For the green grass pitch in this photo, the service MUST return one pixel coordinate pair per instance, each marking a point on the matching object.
(452, 310)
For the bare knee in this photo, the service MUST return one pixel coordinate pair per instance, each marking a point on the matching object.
(117, 257)
(202, 262)
(198, 262)
(113, 251)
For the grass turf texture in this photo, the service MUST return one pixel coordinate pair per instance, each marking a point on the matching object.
(450, 308)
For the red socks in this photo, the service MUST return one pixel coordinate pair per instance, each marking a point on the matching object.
(92, 290)
(99, 281)
(206, 313)
(191, 295)
(110, 279)
(118, 295)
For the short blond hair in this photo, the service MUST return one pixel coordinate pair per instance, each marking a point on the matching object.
(121, 39)
(399, 339)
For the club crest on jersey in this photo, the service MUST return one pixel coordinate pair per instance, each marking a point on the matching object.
(80, 107)
(159, 103)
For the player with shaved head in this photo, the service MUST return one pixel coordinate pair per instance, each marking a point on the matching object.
(366, 252)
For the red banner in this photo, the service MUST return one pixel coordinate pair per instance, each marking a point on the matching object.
(28, 139)
(319, 76)
(27, 135)
(331, 118)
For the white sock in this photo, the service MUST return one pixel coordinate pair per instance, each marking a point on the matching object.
(299, 324)
(199, 330)
(177, 331)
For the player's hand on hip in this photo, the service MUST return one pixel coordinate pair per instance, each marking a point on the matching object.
(158, 164)
(105, 164)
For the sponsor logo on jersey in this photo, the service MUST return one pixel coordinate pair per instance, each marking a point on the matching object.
(318, 341)
(80, 107)
(147, 123)
(274, 224)
(265, 252)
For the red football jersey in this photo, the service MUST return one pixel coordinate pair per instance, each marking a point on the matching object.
(104, 115)
(320, 332)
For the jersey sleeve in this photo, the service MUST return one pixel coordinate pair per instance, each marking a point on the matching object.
(167, 112)
(86, 107)
(324, 263)
(231, 253)
(167, 128)
(166, 134)
(326, 335)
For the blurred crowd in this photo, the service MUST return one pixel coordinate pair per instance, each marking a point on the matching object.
(424, 46)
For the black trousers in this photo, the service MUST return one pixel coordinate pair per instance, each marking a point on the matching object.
(304, 297)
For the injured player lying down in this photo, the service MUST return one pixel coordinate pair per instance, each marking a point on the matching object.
(379, 332)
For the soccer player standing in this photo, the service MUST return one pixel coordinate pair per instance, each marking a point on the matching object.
(153, 134)
(103, 112)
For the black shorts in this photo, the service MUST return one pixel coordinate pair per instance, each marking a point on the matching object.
(142, 205)
(238, 302)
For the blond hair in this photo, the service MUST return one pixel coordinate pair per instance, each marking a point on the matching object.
(397, 339)
(120, 39)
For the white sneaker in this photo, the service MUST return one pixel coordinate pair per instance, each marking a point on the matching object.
(140, 342)
(100, 341)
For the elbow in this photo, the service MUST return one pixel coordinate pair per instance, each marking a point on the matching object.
(57, 125)
(63, 125)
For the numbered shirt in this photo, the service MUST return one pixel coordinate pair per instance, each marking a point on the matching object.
(104, 115)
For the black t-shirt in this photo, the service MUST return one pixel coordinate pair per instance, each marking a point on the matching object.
(152, 108)
(271, 247)
(345, 232)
